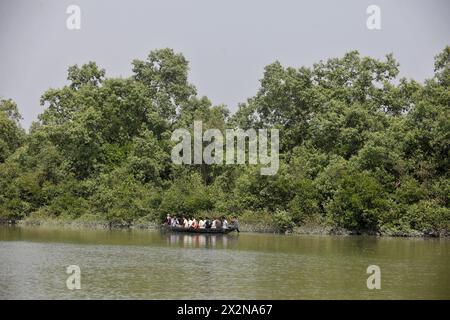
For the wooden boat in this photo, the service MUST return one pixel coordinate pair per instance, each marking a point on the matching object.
(198, 230)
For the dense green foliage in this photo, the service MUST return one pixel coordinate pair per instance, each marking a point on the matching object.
(360, 149)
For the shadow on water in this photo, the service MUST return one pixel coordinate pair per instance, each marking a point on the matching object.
(207, 241)
(159, 238)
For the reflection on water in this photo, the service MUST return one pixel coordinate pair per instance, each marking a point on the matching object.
(123, 264)
(200, 240)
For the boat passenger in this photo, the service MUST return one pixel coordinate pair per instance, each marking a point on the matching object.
(194, 224)
(235, 223)
(208, 223)
(224, 223)
(168, 220)
(213, 224)
(201, 223)
(218, 224)
(185, 223)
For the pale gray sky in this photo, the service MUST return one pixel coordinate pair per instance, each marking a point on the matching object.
(227, 42)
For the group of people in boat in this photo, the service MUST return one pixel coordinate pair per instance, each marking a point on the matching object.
(207, 223)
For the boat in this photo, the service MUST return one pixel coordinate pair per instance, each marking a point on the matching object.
(198, 230)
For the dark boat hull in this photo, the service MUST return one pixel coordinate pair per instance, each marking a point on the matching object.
(199, 230)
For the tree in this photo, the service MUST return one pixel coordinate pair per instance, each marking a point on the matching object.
(88, 74)
(165, 75)
(360, 149)
(11, 134)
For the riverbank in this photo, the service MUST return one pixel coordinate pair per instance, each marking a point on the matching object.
(245, 226)
(83, 224)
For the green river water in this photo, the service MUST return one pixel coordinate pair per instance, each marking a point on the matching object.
(131, 264)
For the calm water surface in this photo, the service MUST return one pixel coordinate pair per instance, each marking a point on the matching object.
(156, 265)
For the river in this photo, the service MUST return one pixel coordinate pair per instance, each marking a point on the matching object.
(143, 264)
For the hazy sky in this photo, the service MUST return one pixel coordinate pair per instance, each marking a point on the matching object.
(227, 42)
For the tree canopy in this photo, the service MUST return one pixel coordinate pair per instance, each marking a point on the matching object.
(360, 148)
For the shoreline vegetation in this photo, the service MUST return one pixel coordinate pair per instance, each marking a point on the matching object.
(361, 150)
(245, 226)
